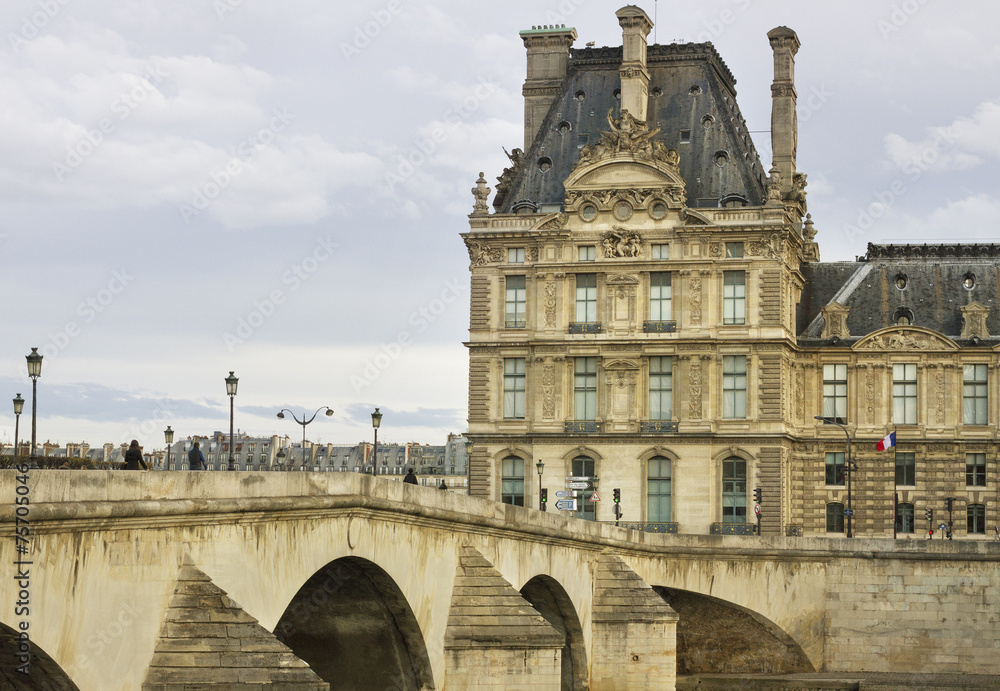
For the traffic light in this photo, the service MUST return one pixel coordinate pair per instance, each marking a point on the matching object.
(757, 494)
(930, 514)
(545, 494)
(616, 494)
(948, 502)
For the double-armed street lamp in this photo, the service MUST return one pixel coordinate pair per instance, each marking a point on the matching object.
(232, 381)
(376, 422)
(168, 436)
(304, 422)
(849, 468)
(18, 409)
(34, 371)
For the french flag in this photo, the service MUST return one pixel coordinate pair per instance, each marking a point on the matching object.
(887, 443)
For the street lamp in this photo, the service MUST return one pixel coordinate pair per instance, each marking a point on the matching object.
(376, 421)
(34, 371)
(540, 467)
(304, 422)
(18, 409)
(231, 383)
(468, 465)
(168, 436)
(849, 468)
(280, 457)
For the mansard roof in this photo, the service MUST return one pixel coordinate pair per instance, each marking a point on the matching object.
(930, 284)
(691, 90)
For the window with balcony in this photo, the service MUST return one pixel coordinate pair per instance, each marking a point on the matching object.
(734, 490)
(660, 294)
(585, 388)
(512, 481)
(658, 490)
(586, 298)
(661, 388)
(734, 387)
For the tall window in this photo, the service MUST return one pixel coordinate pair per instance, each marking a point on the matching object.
(659, 296)
(513, 388)
(835, 468)
(586, 298)
(585, 388)
(904, 518)
(512, 481)
(658, 490)
(975, 407)
(835, 517)
(976, 517)
(835, 392)
(734, 387)
(514, 306)
(583, 466)
(734, 490)
(975, 469)
(734, 292)
(661, 388)
(906, 469)
(904, 394)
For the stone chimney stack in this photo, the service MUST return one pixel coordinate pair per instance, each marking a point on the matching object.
(548, 61)
(635, 77)
(784, 121)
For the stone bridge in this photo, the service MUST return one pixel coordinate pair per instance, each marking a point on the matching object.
(184, 580)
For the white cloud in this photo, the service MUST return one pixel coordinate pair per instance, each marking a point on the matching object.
(958, 146)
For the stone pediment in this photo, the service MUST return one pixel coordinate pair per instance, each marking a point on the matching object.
(906, 338)
(621, 365)
(623, 171)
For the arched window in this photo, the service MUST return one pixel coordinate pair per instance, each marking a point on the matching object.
(835, 517)
(584, 466)
(734, 490)
(976, 517)
(512, 481)
(658, 490)
(904, 518)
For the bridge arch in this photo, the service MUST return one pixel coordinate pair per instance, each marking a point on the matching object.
(45, 672)
(715, 636)
(354, 627)
(552, 601)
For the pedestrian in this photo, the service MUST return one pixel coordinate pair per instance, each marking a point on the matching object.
(133, 457)
(196, 459)
(410, 478)
(443, 486)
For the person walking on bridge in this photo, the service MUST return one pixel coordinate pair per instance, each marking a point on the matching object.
(196, 459)
(133, 457)
(410, 478)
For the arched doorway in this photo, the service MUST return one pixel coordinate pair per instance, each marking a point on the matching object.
(551, 601)
(45, 673)
(351, 623)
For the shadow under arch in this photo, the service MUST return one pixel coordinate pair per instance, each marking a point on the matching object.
(351, 623)
(550, 600)
(715, 636)
(44, 672)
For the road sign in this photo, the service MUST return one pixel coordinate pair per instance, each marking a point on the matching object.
(594, 497)
(566, 505)
(578, 478)
(577, 485)
(566, 493)
(756, 509)
(848, 512)
(942, 526)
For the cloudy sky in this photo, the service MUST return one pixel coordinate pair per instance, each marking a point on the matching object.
(198, 186)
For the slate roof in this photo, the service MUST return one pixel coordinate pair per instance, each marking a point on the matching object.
(691, 89)
(934, 291)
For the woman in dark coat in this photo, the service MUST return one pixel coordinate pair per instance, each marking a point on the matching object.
(133, 457)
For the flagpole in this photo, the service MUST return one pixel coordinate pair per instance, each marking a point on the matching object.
(895, 494)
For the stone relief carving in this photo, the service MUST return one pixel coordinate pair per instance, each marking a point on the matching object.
(628, 135)
(800, 394)
(558, 222)
(715, 250)
(481, 192)
(899, 340)
(481, 253)
(507, 177)
(694, 387)
(835, 321)
(870, 397)
(797, 195)
(974, 320)
(532, 254)
(774, 186)
(940, 397)
(550, 303)
(771, 247)
(694, 298)
(621, 243)
(548, 392)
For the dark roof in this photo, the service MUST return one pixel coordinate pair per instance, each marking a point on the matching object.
(934, 288)
(691, 89)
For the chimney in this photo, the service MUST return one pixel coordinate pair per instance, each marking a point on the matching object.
(635, 78)
(548, 60)
(784, 121)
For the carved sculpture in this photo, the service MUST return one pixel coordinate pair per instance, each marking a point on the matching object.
(481, 254)
(621, 243)
(507, 177)
(481, 192)
(628, 135)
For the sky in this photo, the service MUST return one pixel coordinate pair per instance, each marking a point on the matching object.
(194, 187)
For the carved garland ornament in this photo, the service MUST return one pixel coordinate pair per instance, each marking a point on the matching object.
(694, 388)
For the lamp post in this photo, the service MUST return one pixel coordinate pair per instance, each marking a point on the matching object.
(849, 467)
(540, 466)
(280, 458)
(304, 422)
(168, 436)
(468, 465)
(376, 421)
(231, 383)
(18, 409)
(34, 371)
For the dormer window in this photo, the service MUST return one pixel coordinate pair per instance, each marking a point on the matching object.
(903, 317)
(969, 281)
(900, 281)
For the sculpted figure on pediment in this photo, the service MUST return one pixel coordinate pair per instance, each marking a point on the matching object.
(621, 243)
(905, 339)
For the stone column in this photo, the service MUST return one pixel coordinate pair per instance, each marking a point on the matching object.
(784, 120)
(635, 77)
